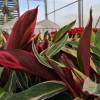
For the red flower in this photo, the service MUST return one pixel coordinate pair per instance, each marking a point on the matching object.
(76, 30)
(79, 31)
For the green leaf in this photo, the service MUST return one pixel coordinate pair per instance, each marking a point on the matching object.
(79, 74)
(57, 67)
(11, 84)
(62, 31)
(96, 61)
(91, 87)
(70, 51)
(40, 58)
(1, 70)
(56, 47)
(4, 96)
(22, 80)
(97, 40)
(58, 64)
(93, 66)
(45, 34)
(75, 38)
(74, 44)
(2, 92)
(96, 50)
(40, 91)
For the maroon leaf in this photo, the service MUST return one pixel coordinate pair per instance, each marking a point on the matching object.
(73, 83)
(23, 30)
(84, 48)
(67, 61)
(66, 79)
(68, 74)
(25, 61)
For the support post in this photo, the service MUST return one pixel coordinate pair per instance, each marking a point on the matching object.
(46, 15)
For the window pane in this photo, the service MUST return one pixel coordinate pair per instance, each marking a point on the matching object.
(95, 6)
(65, 15)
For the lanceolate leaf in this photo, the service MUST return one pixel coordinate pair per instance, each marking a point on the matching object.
(56, 47)
(62, 31)
(84, 48)
(40, 91)
(40, 58)
(24, 61)
(22, 30)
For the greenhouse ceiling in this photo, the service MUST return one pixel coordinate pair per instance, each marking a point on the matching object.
(58, 11)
